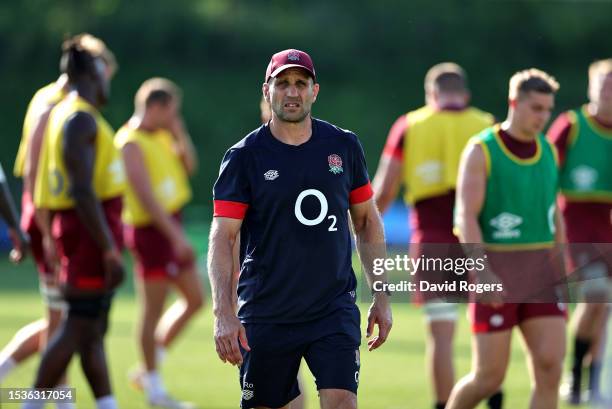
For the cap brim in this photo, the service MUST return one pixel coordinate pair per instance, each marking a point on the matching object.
(286, 66)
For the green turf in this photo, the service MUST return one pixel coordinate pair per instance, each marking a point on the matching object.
(392, 377)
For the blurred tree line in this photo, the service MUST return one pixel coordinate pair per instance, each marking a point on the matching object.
(370, 55)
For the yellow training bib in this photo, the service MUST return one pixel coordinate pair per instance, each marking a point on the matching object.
(167, 174)
(52, 190)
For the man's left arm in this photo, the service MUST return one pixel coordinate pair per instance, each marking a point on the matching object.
(370, 241)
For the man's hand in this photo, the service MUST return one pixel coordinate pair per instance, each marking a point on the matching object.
(113, 269)
(21, 242)
(228, 331)
(379, 313)
(177, 126)
(493, 299)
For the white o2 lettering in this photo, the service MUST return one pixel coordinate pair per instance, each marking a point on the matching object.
(332, 227)
(324, 208)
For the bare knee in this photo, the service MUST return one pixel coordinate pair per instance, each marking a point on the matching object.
(337, 399)
(489, 380)
(547, 367)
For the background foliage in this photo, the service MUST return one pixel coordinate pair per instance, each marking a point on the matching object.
(370, 55)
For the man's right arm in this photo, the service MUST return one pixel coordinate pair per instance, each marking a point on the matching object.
(470, 194)
(470, 197)
(228, 329)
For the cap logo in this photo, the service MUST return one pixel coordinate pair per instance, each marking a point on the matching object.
(293, 56)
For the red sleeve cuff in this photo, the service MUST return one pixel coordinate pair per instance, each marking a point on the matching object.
(233, 210)
(361, 194)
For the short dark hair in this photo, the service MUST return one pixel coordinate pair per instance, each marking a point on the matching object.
(534, 80)
(76, 61)
(446, 77)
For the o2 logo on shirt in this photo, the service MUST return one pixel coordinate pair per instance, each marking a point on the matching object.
(322, 214)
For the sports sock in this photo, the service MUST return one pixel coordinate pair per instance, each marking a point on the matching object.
(439, 405)
(153, 384)
(581, 348)
(6, 365)
(160, 354)
(496, 400)
(106, 402)
(594, 375)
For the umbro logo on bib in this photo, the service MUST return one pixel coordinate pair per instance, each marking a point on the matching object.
(506, 226)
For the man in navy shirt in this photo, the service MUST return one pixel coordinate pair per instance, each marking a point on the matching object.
(288, 188)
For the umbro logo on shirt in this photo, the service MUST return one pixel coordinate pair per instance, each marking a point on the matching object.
(271, 174)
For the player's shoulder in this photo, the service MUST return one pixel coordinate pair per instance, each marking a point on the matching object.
(485, 136)
(485, 116)
(126, 134)
(327, 130)
(420, 114)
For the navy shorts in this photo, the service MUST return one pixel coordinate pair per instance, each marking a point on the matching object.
(329, 345)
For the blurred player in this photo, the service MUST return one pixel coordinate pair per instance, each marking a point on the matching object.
(584, 140)
(422, 151)
(83, 195)
(158, 155)
(506, 200)
(288, 188)
(33, 337)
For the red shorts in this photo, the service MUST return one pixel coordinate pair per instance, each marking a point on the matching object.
(28, 225)
(589, 232)
(153, 254)
(484, 318)
(81, 260)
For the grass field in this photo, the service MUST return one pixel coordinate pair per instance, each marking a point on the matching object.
(392, 377)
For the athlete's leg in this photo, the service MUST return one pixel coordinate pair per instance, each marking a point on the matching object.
(545, 341)
(490, 355)
(337, 399)
(93, 357)
(587, 321)
(439, 348)
(299, 402)
(178, 315)
(58, 353)
(152, 294)
(25, 342)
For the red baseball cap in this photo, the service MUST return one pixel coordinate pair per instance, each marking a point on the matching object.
(287, 59)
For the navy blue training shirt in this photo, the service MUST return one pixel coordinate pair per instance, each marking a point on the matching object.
(295, 248)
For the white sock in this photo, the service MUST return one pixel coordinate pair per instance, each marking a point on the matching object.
(64, 405)
(160, 354)
(107, 402)
(154, 385)
(6, 365)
